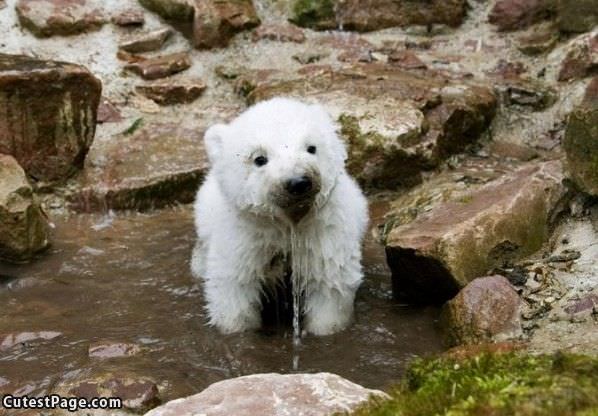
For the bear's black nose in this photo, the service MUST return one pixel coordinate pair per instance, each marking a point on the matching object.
(299, 186)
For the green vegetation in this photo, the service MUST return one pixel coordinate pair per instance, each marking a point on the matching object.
(133, 127)
(496, 385)
(316, 14)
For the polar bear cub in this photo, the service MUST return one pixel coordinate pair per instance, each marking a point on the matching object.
(278, 189)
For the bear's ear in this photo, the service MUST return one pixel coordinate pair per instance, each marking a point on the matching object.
(213, 139)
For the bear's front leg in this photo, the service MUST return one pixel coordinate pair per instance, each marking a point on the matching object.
(233, 306)
(328, 310)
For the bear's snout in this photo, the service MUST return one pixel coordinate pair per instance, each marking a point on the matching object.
(299, 186)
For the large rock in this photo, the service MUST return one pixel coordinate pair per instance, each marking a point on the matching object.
(23, 227)
(48, 114)
(486, 309)
(272, 395)
(458, 239)
(60, 17)
(577, 15)
(176, 10)
(519, 14)
(581, 147)
(581, 59)
(216, 21)
(161, 66)
(367, 15)
(151, 167)
(396, 123)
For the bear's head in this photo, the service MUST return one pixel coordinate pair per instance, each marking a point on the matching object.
(280, 158)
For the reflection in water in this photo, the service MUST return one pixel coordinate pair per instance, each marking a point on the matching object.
(126, 278)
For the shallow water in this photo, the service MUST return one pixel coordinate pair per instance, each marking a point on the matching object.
(125, 278)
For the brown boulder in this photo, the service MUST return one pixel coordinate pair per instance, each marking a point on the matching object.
(172, 93)
(272, 395)
(146, 168)
(48, 114)
(60, 17)
(161, 66)
(487, 308)
(279, 32)
(146, 42)
(129, 17)
(362, 15)
(581, 60)
(217, 21)
(24, 230)
(519, 14)
(459, 238)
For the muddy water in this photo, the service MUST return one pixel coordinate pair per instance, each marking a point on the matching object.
(126, 278)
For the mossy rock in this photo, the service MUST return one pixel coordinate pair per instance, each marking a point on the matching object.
(494, 384)
(581, 146)
(176, 10)
(315, 14)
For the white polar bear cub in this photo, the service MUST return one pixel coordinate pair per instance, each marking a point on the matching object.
(278, 189)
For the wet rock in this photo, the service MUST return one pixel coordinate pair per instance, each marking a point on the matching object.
(279, 32)
(161, 67)
(138, 393)
(456, 240)
(129, 17)
(47, 114)
(112, 350)
(581, 147)
(60, 17)
(581, 60)
(519, 14)
(147, 42)
(107, 112)
(577, 15)
(172, 93)
(539, 39)
(396, 123)
(217, 21)
(272, 395)
(152, 166)
(8, 341)
(486, 309)
(176, 10)
(365, 16)
(24, 229)
(309, 57)
(405, 59)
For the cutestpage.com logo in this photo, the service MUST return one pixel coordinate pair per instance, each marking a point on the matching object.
(54, 401)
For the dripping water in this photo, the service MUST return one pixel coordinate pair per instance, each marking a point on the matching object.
(298, 281)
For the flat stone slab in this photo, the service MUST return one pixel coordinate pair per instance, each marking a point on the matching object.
(154, 166)
(168, 93)
(161, 66)
(146, 42)
(48, 113)
(460, 238)
(272, 395)
(46, 18)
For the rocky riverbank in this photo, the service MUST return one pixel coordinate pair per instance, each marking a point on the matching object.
(471, 124)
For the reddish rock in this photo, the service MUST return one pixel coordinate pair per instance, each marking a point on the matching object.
(161, 67)
(456, 240)
(367, 15)
(487, 308)
(48, 115)
(107, 112)
(405, 59)
(112, 350)
(129, 17)
(172, 93)
(8, 341)
(60, 17)
(585, 304)
(138, 394)
(24, 229)
(149, 167)
(508, 70)
(273, 395)
(519, 14)
(581, 60)
(217, 21)
(279, 32)
(146, 42)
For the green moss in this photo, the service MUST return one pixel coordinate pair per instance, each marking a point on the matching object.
(494, 384)
(316, 14)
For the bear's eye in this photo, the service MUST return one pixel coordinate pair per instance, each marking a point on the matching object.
(311, 149)
(260, 161)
